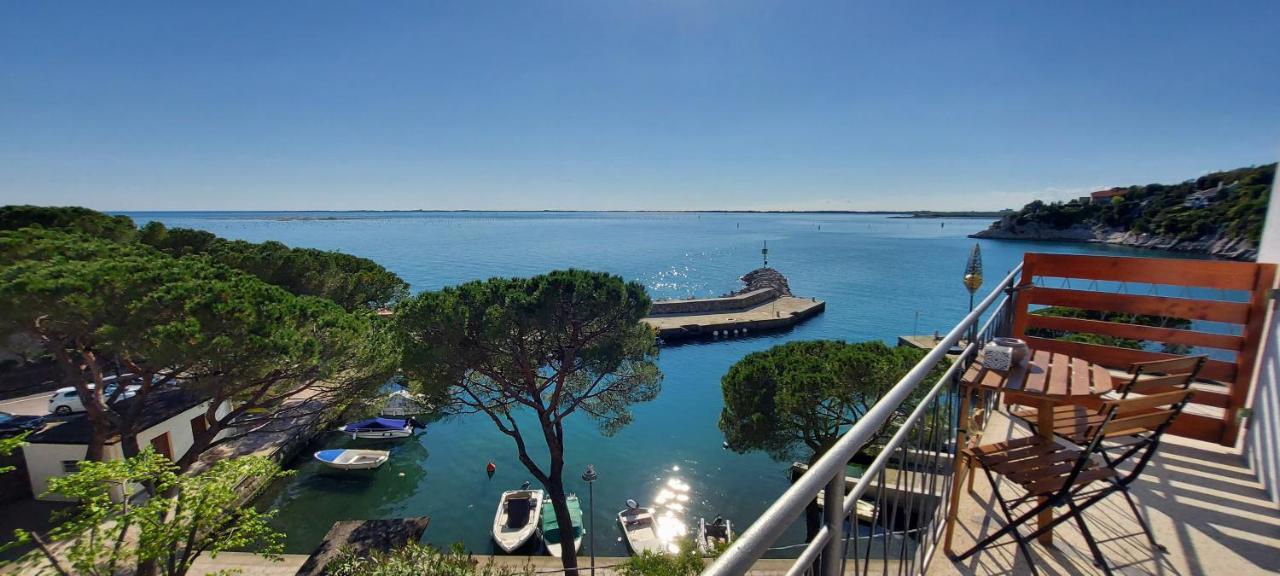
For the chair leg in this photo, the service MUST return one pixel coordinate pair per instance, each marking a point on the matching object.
(1010, 528)
(1151, 537)
(1098, 559)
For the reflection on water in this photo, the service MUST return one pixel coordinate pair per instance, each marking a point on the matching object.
(669, 506)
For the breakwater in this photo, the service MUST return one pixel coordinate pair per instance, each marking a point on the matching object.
(755, 311)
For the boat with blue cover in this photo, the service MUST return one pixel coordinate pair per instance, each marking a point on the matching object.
(380, 428)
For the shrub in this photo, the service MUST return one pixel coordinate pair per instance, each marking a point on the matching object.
(417, 559)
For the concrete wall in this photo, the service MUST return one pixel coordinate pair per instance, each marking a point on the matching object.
(44, 461)
(702, 305)
(178, 427)
(1262, 439)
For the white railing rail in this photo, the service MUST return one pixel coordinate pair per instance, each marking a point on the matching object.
(828, 549)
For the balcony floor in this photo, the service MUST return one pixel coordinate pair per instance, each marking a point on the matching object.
(1203, 501)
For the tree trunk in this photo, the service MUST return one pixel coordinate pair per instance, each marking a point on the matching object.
(569, 556)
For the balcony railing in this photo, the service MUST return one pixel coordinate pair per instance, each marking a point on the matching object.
(907, 485)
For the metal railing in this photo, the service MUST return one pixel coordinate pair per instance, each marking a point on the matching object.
(891, 519)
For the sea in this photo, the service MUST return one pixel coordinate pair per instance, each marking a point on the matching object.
(881, 276)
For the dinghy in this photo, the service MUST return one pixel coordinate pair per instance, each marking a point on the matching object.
(379, 429)
(353, 459)
(715, 535)
(517, 518)
(552, 534)
(640, 527)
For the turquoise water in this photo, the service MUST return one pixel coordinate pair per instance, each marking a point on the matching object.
(881, 277)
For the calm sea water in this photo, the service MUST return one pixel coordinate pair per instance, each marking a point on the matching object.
(881, 277)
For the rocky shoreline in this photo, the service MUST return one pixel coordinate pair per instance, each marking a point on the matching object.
(1217, 245)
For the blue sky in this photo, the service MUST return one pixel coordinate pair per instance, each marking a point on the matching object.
(626, 105)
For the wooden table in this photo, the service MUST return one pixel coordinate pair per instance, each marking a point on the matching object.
(1048, 380)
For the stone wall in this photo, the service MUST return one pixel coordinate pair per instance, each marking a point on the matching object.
(713, 305)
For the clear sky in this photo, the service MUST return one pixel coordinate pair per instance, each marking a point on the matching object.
(626, 105)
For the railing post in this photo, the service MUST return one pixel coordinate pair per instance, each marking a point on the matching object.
(833, 513)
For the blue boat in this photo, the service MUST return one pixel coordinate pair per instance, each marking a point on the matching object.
(379, 428)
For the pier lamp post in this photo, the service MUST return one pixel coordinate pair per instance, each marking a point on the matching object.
(590, 477)
(972, 282)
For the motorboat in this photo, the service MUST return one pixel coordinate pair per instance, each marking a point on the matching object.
(516, 520)
(379, 428)
(552, 534)
(714, 535)
(347, 459)
(640, 527)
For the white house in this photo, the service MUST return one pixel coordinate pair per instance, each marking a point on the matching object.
(168, 424)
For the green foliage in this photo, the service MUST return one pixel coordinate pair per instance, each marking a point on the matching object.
(95, 303)
(187, 515)
(562, 341)
(70, 218)
(416, 559)
(1117, 317)
(685, 563)
(352, 282)
(1238, 211)
(9, 445)
(808, 393)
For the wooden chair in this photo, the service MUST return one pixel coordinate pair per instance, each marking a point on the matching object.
(1054, 474)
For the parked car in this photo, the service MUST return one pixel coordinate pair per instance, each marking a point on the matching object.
(11, 424)
(67, 401)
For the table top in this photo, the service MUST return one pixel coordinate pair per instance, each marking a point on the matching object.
(1047, 374)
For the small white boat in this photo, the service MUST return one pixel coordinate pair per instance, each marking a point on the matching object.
(379, 429)
(551, 532)
(715, 535)
(353, 459)
(640, 527)
(516, 520)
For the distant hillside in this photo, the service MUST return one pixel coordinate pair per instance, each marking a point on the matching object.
(1219, 214)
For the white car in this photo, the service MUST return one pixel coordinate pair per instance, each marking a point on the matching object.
(67, 401)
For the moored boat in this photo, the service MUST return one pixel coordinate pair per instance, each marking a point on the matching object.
(346, 459)
(553, 535)
(640, 527)
(516, 520)
(714, 535)
(379, 428)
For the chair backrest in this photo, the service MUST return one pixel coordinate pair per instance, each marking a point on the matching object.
(1163, 375)
(1145, 418)
(1123, 416)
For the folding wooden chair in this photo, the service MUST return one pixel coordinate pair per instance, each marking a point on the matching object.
(1054, 474)
(1074, 423)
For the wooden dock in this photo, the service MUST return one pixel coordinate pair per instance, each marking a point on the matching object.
(752, 312)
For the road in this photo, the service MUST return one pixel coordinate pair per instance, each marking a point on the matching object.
(33, 405)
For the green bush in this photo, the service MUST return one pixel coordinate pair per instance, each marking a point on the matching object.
(417, 560)
(686, 563)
